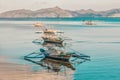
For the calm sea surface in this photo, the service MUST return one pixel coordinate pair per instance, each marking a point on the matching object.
(100, 41)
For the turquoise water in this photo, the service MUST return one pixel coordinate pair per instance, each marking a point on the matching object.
(100, 41)
(112, 19)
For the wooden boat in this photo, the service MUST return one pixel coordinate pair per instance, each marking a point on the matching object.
(55, 52)
(49, 34)
(62, 55)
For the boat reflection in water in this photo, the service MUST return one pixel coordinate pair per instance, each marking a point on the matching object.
(56, 65)
(50, 56)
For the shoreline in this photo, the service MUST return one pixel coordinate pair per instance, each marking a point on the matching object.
(11, 71)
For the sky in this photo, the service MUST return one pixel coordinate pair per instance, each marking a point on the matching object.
(98, 5)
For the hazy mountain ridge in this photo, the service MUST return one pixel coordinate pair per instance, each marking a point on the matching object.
(58, 12)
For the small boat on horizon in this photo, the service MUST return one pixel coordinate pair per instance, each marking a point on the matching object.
(89, 22)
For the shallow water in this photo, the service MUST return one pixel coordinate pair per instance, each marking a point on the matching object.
(101, 42)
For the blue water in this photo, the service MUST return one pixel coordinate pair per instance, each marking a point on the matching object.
(100, 41)
(108, 19)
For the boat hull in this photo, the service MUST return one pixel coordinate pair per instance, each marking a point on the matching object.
(58, 58)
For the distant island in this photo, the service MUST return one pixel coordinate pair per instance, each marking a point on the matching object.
(58, 12)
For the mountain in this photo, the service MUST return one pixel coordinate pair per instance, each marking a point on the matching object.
(58, 12)
(86, 13)
(16, 13)
(110, 13)
(52, 12)
(48, 12)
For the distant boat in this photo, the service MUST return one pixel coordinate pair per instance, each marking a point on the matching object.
(90, 22)
(38, 24)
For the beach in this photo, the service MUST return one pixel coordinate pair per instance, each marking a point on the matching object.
(11, 71)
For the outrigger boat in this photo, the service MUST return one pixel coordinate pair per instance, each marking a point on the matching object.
(53, 48)
(59, 52)
(53, 42)
(65, 57)
(49, 34)
(55, 51)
